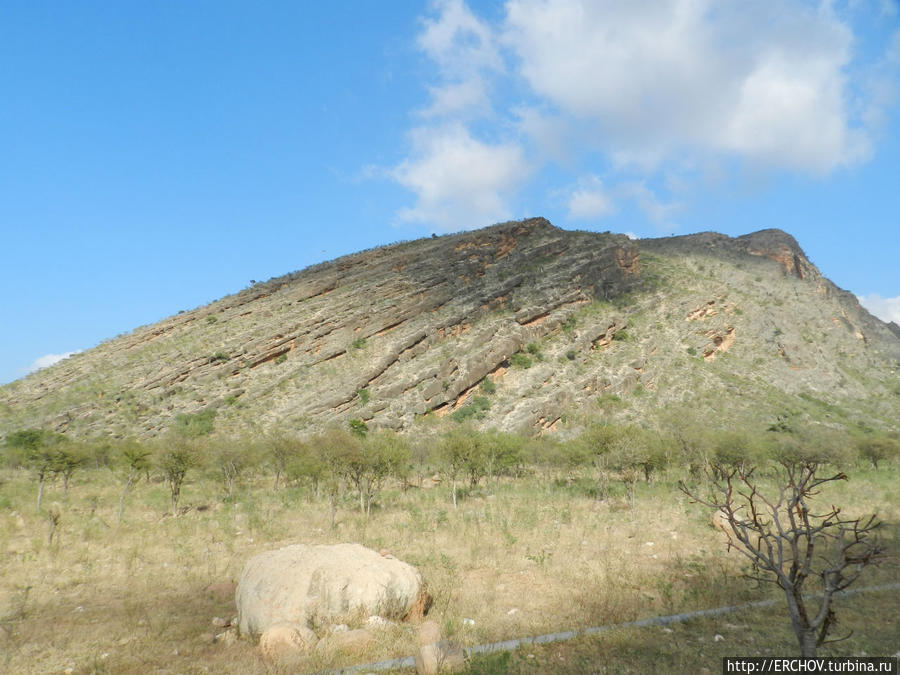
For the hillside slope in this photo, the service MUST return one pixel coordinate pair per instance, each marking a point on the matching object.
(564, 326)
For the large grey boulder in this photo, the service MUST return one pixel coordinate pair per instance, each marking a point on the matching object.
(299, 583)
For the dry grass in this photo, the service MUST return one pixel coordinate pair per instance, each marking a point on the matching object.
(514, 559)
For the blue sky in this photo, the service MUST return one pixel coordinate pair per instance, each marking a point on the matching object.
(155, 156)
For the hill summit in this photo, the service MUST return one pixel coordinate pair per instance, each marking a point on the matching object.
(520, 326)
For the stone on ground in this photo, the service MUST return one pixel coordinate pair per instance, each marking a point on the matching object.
(303, 584)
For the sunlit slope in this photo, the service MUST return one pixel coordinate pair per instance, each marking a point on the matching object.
(520, 326)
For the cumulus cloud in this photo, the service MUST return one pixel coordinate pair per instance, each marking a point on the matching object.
(886, 309)
(460, 181)
(640, 91)
(761, 80)
(48, 360)
(590, 200)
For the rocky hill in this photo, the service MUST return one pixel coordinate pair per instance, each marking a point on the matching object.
(520, 326)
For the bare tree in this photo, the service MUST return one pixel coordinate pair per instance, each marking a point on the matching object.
(787, 543)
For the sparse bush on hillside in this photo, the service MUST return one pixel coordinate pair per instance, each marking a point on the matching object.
(488, 386)
(195, 425)
(520, 360)
(358, 428)
(476, 409)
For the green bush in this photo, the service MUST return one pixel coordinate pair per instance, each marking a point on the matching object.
(487, 386)
(477, 408)
(358, 428)
(195, 425)
(364, 396)
(519, 360)
(218, 357)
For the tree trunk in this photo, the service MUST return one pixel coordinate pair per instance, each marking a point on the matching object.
(124, 494)
(808, 643)
(333, 503)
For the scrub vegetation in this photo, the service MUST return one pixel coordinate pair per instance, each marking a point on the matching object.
(128, 567)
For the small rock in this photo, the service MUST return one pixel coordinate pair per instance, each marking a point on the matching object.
(219, 622)
(718, 638)
(429, 633)
(668, 630)
(284, 641)
(468, 622)
(514, 610)
(228, 638)
(443, 657)
(338, 628)
(376, 621)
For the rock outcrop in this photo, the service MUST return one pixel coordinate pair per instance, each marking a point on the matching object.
(553, 319)
(301, 585)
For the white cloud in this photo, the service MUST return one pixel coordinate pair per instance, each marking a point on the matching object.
(468, 96)
(460, 181)
(590, 200)
(458, 41)
(655, 92)
(48, 360)
(886, 309)
(657, 212)
(761, 80)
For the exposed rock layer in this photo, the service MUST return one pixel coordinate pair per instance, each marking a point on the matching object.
(392, 334)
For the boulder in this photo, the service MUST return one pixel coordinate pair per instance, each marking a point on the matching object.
(299, 583)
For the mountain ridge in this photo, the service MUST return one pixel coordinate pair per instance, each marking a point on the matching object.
(555, 320)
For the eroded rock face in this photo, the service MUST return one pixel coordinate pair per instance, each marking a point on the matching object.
(393, 334)
(299, 584)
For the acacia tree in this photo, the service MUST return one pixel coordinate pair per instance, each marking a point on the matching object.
(787, 543)
(40, 452)
(174, 463)
(136, 460)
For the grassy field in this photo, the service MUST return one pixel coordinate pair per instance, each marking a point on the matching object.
(516, 558)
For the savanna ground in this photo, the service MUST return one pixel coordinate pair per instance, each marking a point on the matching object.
(516, 557)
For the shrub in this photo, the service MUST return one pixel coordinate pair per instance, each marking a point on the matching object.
(358, 343)
(519, 360)
(358, 428)
(195, 425)
(488, 386)
(281, 359)
(363, 395)
(174, 464)
(218, 357)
